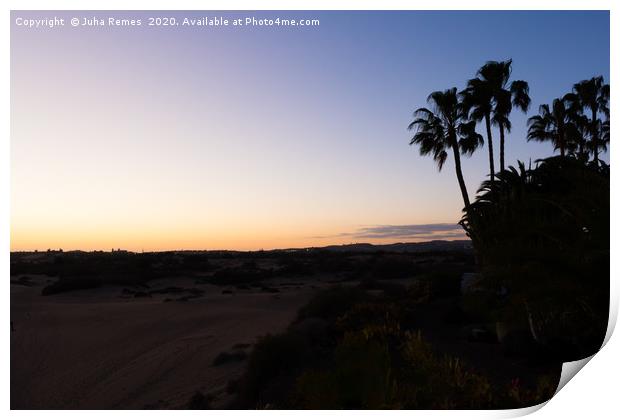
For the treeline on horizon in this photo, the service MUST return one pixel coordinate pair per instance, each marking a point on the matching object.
(356, 247)
(86, 270)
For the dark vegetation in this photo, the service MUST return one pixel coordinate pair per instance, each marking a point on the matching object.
(351, 348)
(542, 235)
(413, 333)
(540, 296)
(85, 270)
(240, 270)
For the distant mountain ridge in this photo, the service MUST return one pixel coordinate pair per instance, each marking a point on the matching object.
(438, 245)
(430, 246)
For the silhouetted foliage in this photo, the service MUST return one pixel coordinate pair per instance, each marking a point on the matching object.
(558, 125)
(593, 95)
(490, 97)
(347, 350)
(543, 234)
(444, 129)
(331, 303)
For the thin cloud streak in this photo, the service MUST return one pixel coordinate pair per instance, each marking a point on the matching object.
(434, 231)
(431, 231)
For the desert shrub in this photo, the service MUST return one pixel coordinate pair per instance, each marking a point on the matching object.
(445, 282)
(272, 366)
(516, 395)
(359, 378)
(82, 270)
(393, 267)
(44, 265)
(331, 303)
(435, 381)
(334, 263)
(367, 314)
(418, 291)
(389, 288)
(196, 261)
(381, 367)
(348, 350)
(277, 360)
(231, 276)
(68, 283)
(294, 267)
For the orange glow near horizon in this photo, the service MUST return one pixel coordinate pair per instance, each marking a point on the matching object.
(186, 239)
(148, 139)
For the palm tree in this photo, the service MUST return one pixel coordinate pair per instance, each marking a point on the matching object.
(581, 123)
(555, 125)
(599, 139)
(491, 97)
(445, 128)
(593, 94)
(505, 96)
(477, 99)
(517, 96)
(606, 131)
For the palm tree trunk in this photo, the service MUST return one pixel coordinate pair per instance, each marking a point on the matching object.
(595, 135)
(487, 120)
(459, 175)
(501, 147)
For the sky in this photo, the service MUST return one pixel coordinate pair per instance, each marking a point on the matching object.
(261, 137)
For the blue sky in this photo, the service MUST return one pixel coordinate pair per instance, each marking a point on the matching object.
(161, 138)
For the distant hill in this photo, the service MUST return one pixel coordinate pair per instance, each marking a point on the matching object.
(430, 246)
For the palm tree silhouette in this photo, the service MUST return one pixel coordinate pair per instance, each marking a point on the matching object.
(606, 131)
(491, 97)
(581, 122)
(507, 96)
(477, 99)
(555, 125)
(443, 128)
(593, 94)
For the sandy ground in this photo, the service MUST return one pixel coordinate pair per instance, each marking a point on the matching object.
(96, 349)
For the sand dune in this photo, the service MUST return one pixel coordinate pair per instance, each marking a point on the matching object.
(100, 349)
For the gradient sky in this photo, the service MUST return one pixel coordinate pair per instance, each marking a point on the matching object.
(247, 138)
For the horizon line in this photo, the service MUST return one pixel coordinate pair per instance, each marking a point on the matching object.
(58, 250)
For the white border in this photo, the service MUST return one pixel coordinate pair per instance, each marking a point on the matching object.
(593, 393)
